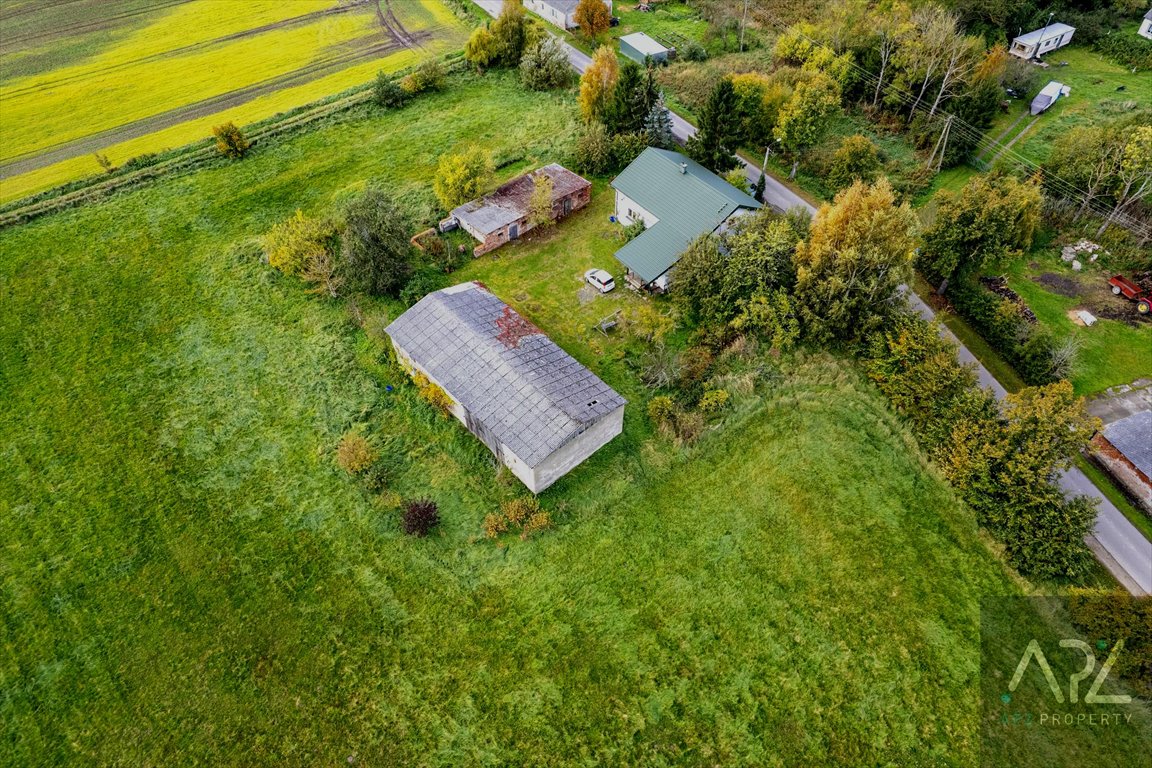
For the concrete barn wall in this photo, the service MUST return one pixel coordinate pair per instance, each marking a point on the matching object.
(555, 466)
(568, 456)
(579, 198)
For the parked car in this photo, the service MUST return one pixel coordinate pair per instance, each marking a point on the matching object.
(600, 280)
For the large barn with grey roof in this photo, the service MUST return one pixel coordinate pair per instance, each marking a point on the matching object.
(536, 408)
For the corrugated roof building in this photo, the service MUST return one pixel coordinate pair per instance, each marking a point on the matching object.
(536, 408)
(678, 200)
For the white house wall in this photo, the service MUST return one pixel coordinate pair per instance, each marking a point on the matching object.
(624, 204)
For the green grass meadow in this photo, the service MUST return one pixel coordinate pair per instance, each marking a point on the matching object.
(188, 579)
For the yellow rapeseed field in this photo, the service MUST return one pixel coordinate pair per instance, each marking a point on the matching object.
(201, 64)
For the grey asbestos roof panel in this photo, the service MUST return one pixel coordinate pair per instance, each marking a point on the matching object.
(1132, 436)
(530, 393)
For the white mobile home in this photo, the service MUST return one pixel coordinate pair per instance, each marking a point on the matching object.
(1035, 44)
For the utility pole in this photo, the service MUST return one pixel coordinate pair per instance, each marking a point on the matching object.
(743, 24)
(941, 146)
(1040, 42)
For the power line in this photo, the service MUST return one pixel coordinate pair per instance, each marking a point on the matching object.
(972, 134)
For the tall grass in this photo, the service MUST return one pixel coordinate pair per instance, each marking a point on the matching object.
(188, 578)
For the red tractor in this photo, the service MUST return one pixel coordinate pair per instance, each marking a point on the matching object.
(1122, 286)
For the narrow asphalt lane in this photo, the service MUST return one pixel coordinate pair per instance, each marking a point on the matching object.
(1130, 553)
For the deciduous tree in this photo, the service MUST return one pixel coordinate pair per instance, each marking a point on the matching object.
(482, 49)
(988, 218)
(858, 253)
(462, 176)
(856, 158)
(803, 120)
(377, 254)
(598, 83)
(540, 206)
(593, 17)
(230, 141)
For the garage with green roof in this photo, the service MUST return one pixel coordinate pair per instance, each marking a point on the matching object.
(678, 200)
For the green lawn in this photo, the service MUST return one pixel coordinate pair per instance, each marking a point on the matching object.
(1094, 99)
(187, 578)
(1111, 352)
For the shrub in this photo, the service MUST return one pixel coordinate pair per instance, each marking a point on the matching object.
(377, 252)
(693, 51)
(462, 176)
(432, 393)
(422, 283)
(495, 524)
(388, 93)
(540, 521)
(354, 453)
(292, 245)
(661, 409)
(713, 401)
(230, 141)
(524, 514)
(739, 179)
(420, 517)
(1111, 616)
(517, 511)
(633, 230)
(856, 158)
(429, 76)
(689, 426)
(375, 477)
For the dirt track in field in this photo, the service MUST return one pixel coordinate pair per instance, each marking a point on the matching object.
(295, 21)
(395, 38)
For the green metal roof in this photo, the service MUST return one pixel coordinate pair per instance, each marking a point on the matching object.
(687, 199)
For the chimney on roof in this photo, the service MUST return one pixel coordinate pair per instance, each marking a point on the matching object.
(683, 167)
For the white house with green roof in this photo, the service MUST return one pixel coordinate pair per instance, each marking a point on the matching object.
(678, 200)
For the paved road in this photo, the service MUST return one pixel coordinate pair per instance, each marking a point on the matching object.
(1127, 554)
(775, 193)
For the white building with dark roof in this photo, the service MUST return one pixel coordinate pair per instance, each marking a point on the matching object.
(562, 13)
(1039, 42)
(536, 408)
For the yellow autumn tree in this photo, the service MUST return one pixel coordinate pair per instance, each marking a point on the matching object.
(598, 83)
(850, 269)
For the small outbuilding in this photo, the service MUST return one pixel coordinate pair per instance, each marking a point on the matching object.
(1039, 42)
(536, 408)
(1048, 96)
(1146, 25)
(506, 213)
(641, 48)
